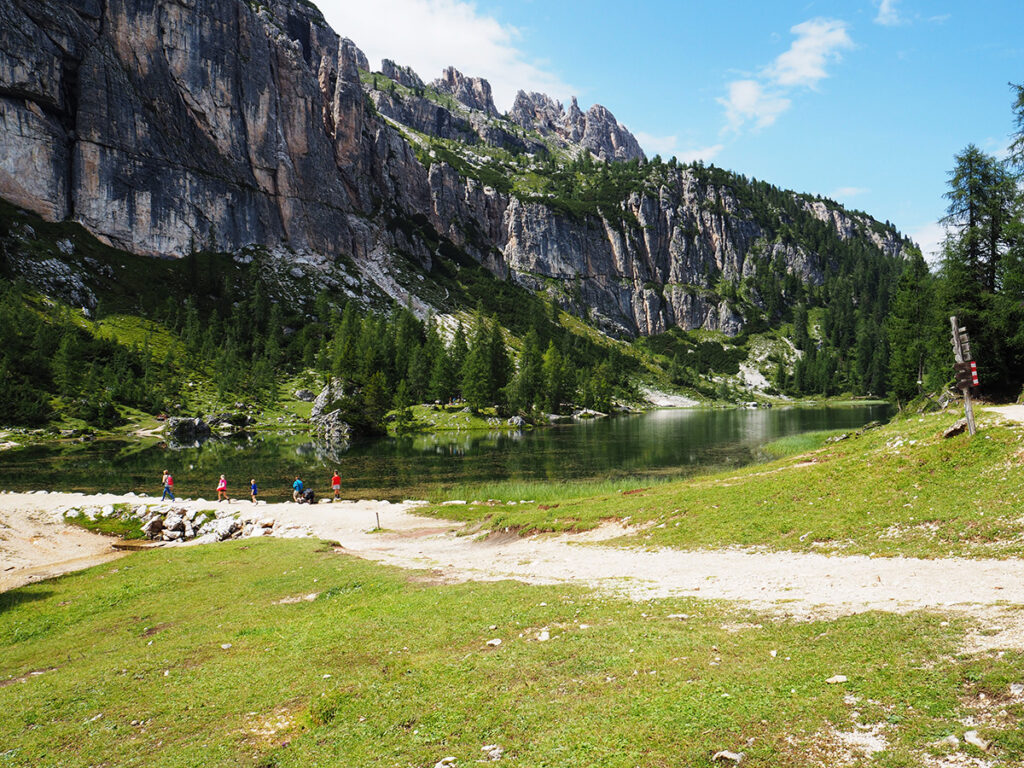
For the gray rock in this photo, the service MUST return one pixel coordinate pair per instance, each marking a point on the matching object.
(187, 429)
(326, 421)
(401, 75)
(225, 528)
(305, 395)
(174, 521)
(597, 130)
(473, 92)
(957, 428)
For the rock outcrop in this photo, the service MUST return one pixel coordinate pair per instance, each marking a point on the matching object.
(474, 92)
(401, 75)
(597, 130)
(326, 419)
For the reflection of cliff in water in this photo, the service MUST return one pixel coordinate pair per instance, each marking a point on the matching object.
(241, 439)
(327, 451)
(457, 443)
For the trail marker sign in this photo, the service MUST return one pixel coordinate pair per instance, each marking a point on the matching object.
(966, 370)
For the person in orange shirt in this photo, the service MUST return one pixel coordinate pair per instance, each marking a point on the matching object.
(336, 485)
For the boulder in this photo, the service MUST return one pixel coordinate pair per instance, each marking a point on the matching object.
(224, 528)
(304, 395)
(227, 420)
(958, 428)
(174, 521)
(187, 429)
(326, 420)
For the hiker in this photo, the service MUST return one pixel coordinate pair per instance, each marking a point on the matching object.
(222, 490)
(297, 489)
(253, 490)
(168, 483)
(336, 485)
(308, 497)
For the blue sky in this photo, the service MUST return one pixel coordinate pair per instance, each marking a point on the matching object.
(864, 101)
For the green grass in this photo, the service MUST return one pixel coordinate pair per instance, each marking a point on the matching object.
(453, 418)
(384, 670)
(796, 444)
(898, 490)
(111, 526)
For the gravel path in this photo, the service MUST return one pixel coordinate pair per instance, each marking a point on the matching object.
(791, 584)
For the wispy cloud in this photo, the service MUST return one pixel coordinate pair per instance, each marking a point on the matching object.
(668, 146)
(429, 35)
(842, 193)
(759, 102)
(888, 16)
(749, 101)
(930, 238)
(818, 42)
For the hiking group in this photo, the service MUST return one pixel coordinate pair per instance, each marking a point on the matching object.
(300, 493)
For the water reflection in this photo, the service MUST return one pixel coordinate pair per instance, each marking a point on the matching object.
(658, 443)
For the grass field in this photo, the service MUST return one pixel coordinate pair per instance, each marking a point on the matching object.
(901, 489)
(196, 657)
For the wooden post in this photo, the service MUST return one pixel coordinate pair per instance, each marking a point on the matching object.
(959, 356)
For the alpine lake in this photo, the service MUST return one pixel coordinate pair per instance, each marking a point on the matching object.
(670, 443)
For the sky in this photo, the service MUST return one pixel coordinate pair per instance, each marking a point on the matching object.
(865, 102)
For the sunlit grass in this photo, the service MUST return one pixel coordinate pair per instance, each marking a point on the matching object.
(188, 656)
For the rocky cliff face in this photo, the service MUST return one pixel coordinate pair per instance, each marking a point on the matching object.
(163, 126)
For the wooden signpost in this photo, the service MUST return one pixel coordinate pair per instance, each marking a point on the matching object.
(966, 369)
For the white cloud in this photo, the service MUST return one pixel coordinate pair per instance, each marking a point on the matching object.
(817, 43)
(760, 101)
(429, 35)
(888, 16)
(691, 155)
(930, 238)
(848, 192)
(668, 146)
(749, 101)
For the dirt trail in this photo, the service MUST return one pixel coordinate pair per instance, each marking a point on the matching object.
(1011, 412)
(792, 584)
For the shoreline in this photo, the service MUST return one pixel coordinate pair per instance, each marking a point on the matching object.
(37, 543)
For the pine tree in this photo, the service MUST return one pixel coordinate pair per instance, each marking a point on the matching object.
(476, 371)
(910, 328)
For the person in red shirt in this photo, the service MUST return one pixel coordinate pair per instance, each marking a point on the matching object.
(336, 485)
(168, 481)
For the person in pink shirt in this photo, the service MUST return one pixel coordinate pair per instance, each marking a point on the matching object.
(168, 482)
(222, 490)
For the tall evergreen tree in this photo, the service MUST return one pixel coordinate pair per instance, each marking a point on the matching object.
(911, 328)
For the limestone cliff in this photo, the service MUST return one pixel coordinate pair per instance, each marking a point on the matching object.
(167, 125)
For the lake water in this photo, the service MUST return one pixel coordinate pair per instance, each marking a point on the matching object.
(664, 443)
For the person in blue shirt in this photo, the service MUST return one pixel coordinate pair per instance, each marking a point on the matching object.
(297, 489)
(253, 490)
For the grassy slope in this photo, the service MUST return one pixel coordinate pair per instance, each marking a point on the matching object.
(898, 490)
(381, 670)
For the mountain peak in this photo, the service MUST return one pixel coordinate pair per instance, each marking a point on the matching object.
(597, 130)
(473, 92)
